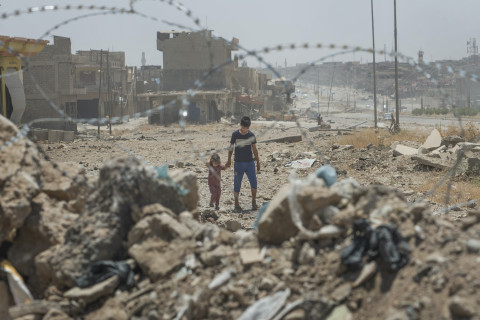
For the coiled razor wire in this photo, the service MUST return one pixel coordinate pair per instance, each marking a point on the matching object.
(185, 99)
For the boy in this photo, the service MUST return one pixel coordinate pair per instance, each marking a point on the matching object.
(244, 143)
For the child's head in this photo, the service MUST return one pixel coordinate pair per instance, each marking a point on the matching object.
(245, 124)
(215, 160)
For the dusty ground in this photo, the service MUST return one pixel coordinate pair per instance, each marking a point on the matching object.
(159, 145)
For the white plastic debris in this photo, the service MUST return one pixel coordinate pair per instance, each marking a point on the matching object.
(19, 290)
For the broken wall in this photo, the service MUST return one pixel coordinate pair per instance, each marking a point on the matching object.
(51, 71)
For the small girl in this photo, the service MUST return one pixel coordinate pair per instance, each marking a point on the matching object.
(215, 167)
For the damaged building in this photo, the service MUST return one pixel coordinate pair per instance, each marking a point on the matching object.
(49, 90)
(104, 84)
(203, 62)
(12, 92)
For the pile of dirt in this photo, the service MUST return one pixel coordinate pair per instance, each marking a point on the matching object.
(170, 265)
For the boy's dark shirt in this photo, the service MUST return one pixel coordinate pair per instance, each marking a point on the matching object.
(243, 153)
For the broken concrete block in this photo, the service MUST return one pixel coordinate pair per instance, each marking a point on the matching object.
(250, 255)
(160, 226)
(473, 166)
(214, 257)
(276, 225)
(233, 225)
(188, 182)
(157, 258)
(346, 147)
(433, 162)
(55, 136)
(289, 139)
(94, 292)
(452, 140)
(401, 150)
(40, 134)
(434, 140)
(68, 136)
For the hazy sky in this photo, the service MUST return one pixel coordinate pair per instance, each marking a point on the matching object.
(440, 28)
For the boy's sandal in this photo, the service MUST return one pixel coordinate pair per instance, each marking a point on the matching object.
(238, 209)
(254, 206)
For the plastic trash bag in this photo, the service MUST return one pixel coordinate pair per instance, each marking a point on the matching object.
(384, 243)
(328, 174)
(18, 289)
(102, 270)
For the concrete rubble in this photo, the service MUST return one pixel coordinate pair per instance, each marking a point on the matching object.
(446, 153)
(54, 224)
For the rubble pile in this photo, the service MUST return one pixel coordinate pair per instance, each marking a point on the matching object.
(133, 247)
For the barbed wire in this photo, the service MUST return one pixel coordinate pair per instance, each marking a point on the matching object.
(185, 99)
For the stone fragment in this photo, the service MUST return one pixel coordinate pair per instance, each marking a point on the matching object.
(473, 245)
(401, 150)
(276, 225)
(473, 167)
(434, 140)
(452, 140)
(161, 226)
(306, 254)
(151, 209)
(297, 314)
(56, 314)
(233, 225)
(250, 256)
(340, 313)
(289, 139)
(463, 307)
(341, 292)
(188, 182)
(112, 309)
(212, 258)
(158, 258)
(433, 162)
(95, 292)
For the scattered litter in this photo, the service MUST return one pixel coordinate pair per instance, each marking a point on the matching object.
(301, 164)
(19, 290)
(266, 308)
(384, 242)
(102, 270)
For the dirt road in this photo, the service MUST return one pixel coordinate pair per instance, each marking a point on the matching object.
(189, 148)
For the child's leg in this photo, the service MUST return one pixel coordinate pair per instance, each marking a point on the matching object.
(252, 178)
(239, 169)
(217, 199)
(212, 194)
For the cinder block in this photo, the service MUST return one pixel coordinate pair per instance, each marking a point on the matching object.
(55, 135)
(40, 134)
(68, 136)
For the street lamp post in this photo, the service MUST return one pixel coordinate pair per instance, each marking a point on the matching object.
(374, 74)
(397, 107)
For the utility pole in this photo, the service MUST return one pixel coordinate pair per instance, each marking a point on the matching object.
(109, 88)
(100, 92)
(397, 109)
(330, 93)
(121, 92)
(374, 74)
(318, 90)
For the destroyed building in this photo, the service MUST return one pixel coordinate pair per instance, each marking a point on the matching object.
(103, 75)
(49, 89)
(203, 62)
(12, 93)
